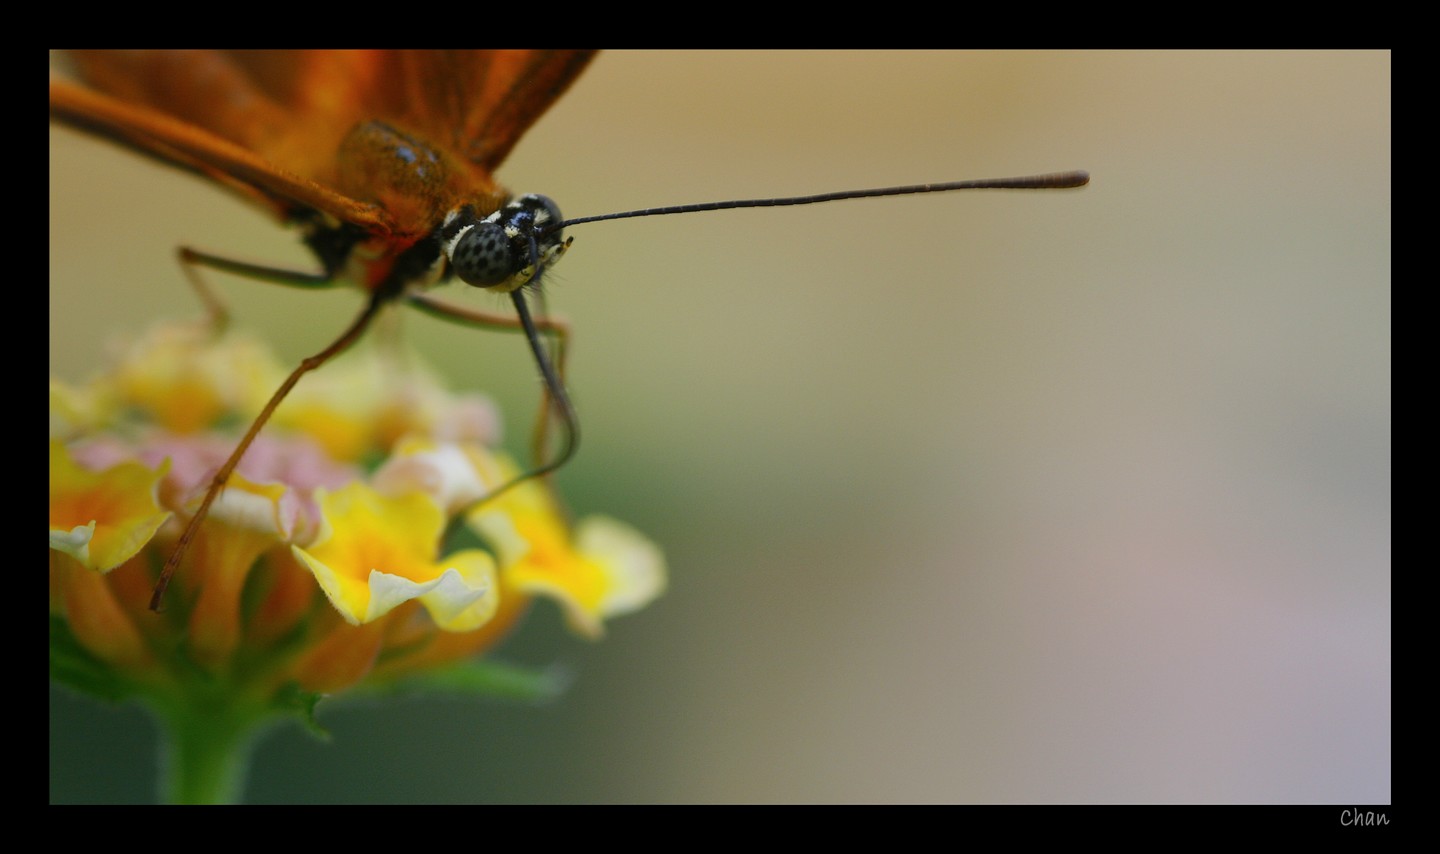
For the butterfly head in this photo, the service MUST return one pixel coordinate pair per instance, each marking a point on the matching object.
(507, 249)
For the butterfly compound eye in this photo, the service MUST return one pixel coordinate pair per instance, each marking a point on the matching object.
(506, 249)
(482, 255)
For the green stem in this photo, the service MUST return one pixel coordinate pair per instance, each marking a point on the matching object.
(205, 750)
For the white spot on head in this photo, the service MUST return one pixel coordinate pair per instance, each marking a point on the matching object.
(449, 247)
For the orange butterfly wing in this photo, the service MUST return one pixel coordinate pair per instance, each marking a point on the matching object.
(270, 124)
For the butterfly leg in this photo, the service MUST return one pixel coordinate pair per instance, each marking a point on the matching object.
(217, 482)
(191, 260)
(219, 314)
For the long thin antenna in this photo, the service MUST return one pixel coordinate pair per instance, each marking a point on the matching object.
(1051, 181)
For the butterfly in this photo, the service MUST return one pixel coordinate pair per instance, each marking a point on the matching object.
(384, 161)
(388, 171)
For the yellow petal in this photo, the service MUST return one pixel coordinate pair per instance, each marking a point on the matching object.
(374, 554)
(605, 569)
(633, 566)
(102, 519)
(187, 380)
(463, 598)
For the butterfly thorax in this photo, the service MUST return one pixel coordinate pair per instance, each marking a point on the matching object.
(415, 181)
(447, 217)
(419, 185)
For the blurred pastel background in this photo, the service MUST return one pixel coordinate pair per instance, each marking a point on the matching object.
(992, 497)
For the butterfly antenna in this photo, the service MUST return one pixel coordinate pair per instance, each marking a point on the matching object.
(555, 390)
(1051, 181)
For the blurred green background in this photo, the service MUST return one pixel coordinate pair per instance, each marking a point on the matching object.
(1078, 496)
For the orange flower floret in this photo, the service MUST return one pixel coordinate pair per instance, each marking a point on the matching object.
(376, 552)
(602, 569)
(104, 518)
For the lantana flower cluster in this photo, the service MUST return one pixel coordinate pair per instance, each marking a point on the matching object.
(330, 559)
